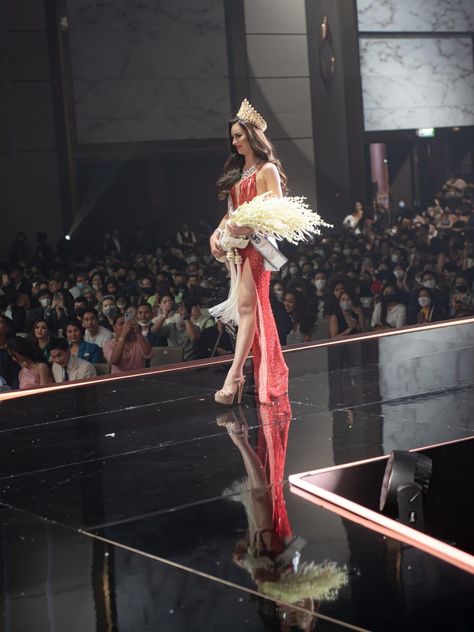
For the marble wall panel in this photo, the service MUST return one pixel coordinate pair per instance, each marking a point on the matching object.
(417, 82)
(148, 71)
(274, 16)
(416, 15)
(129, 55)
(205, 16)
(277, 55)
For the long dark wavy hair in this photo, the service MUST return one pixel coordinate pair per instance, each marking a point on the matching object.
(261, 147)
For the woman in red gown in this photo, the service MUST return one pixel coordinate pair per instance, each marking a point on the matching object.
(252, 169)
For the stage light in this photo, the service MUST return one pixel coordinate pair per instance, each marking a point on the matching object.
(67, 237)
(405, 486)
(425, 132)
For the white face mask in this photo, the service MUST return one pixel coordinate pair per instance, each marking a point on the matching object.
(394, 258)
(278, 294)
(293, 269)
(145, 323)
(399, 274)
(424, 301)
(429, 283)
(45, 302)
(345, 305)
(320, 284)
(346, 252)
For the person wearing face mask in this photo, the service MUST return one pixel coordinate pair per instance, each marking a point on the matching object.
(440, 297)
(320, 283)
(82, 282)
(278, 289)
(347, 320)
(79, 347)
(429, 312)
(145, 321)
(389, 311)
(109, 311)
(45, 300)
(293, 270)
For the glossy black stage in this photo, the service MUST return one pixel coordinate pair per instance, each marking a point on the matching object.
(124, 503)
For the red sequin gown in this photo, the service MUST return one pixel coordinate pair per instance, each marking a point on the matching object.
(271, 372)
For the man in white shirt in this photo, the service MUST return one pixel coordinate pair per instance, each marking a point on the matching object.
(66, 367)
(94, 332)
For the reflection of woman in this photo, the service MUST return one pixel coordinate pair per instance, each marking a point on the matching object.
(252, 169)
(269, 552)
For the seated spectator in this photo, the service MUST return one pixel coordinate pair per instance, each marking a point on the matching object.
(93, 331)
(44, 299)
(429, 312)
(34, 370)
(9, 369)
(215, 341)
(58, 314)
(303, 320)
(129, 350)
(80, 304)
(79, 347)
(461, 298)
(440, 297)
(40, 337)
(15, 308)
(177, 327)
(66, 366)
(185, 236)
(278, 289)
(199, 315)
(347, 319)
(82, 281)
(109, 311)
(122, 303)
(389, 311)
(145, 322)
(320, 283)
(4, 388)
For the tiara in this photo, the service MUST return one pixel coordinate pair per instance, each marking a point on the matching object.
(250, 115)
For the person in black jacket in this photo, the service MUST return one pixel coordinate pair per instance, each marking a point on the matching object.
(9, 369)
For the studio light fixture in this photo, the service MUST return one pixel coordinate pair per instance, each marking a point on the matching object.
(67, 237)
(405, 486)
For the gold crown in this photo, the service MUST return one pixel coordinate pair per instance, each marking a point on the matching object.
(250, 115)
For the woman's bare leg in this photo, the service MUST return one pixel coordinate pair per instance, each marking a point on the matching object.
(247, 321)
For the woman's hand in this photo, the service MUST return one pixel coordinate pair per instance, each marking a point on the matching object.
(216, 250)
(239, 231)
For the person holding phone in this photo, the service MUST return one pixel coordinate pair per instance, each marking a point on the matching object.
(178, 328)
(129, 349)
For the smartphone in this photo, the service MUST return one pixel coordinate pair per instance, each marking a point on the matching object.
(128, 316)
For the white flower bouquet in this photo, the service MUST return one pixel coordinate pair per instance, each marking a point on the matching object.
(282, 218)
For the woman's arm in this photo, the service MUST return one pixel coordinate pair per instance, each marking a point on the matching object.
(44, 374)
(216, 251)
(271, 178)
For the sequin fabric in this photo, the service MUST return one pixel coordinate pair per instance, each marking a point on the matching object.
(271, 372)
(272, 443)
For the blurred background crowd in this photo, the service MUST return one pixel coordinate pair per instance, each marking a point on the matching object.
(142, 300)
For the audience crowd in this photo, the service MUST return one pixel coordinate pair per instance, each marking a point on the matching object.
(66, 318)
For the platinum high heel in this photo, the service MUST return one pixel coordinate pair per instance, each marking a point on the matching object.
(227, 395)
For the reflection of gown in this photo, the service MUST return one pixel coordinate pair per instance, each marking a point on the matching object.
(271, 450)
(271, 372)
